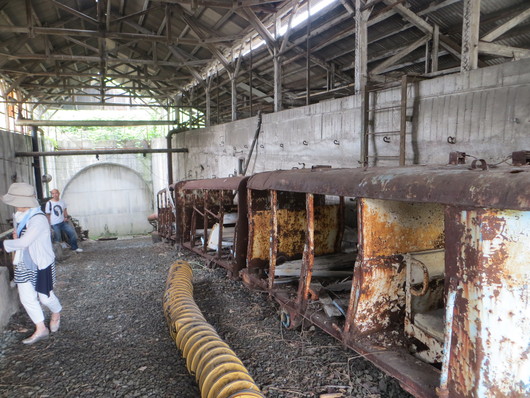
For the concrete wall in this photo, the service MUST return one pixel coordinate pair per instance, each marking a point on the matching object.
(11, 169)
(63, 168)
(9, 302)
(485, 111)
(84, 188)
(109, 200)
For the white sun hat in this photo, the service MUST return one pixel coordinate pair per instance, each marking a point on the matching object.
(20, 194)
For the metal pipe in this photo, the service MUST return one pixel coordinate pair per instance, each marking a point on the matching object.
(36, 153)
(36, 160)
(256, 135)
(217, 369)
(84, 123)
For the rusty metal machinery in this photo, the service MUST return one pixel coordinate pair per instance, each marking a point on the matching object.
(212, 220)
(218, 371)
(421, 269)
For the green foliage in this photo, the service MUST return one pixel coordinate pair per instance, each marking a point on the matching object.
(118, 134)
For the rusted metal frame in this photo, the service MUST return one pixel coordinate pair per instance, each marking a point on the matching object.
(355, 292)
(221, 222)
(205, 197)
(273, 252)
(251, 227)
(216, 216)
(315, 317)
(416, 377)
(403, 121)
(192, 228)
(306, 271)
(241, 234)
(341, 225)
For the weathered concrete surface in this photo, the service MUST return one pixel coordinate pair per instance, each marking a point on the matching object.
(484, 111)
(109, 199)
(9, 302)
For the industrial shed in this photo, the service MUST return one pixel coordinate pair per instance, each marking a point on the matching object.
(241, 87)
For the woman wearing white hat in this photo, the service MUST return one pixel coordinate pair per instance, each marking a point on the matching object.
(34, 259)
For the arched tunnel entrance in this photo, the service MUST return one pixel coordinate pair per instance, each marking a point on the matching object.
(109, 199)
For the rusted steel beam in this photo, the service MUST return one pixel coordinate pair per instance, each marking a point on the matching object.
(273, 252)
(306, 271)
(205, 220)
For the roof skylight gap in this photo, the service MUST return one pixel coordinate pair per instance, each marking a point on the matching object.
(254, 41)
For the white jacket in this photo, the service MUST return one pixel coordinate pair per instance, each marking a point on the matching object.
(37, 239)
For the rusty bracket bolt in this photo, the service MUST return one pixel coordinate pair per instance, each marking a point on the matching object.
(483, 164)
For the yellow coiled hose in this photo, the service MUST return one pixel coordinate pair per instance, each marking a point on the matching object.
(217, 369)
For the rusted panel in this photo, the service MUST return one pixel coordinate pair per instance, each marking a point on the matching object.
(228, 183)
(387, 230)
(390, 227)
(503, 187)
(291, 232)
(261, 227)
(381, 296)
(489, 354)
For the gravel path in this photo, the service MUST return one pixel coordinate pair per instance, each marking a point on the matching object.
(114, 341)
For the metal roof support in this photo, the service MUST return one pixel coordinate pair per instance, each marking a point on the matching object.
(277, 81)
(470, 35)
(361, 46)
(361, 73)
(435, 48)
(207, 90)
(234, 96)
(308, 58)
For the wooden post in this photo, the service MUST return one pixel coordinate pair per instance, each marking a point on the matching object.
(470, 35)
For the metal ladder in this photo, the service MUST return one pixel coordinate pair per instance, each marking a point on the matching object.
(368, 123)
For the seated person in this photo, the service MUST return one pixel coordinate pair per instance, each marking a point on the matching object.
(58, 216)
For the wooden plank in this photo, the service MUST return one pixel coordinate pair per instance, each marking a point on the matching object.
(505, 27)
(503, 51)
(336, 265)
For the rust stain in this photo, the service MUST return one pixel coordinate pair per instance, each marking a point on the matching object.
(292, 230)
(261, 222)
(382, 297)
(390, 228)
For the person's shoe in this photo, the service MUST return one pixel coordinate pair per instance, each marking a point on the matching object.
(36, 337)
(54, 325)
(78, 250)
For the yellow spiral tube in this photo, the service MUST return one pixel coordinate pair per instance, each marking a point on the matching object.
(217, 369)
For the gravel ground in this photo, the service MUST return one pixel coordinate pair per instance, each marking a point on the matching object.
(114, 340)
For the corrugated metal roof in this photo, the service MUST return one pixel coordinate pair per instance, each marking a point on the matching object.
(62, 49)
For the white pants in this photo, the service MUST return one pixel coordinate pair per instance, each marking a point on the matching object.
(30, 298)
